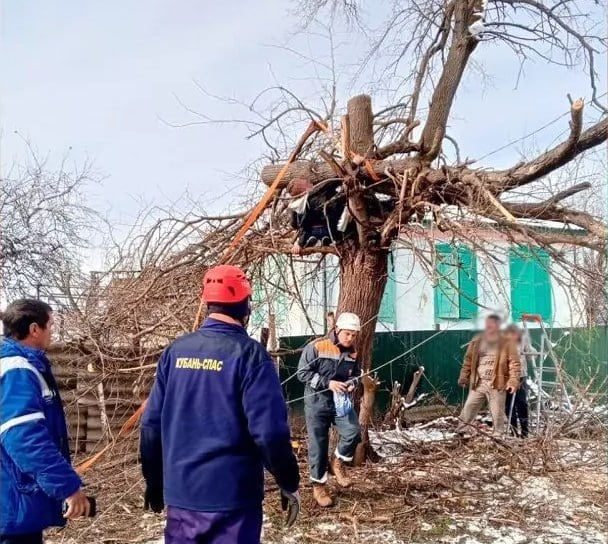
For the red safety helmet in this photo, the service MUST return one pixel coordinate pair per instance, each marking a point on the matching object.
(225, 284)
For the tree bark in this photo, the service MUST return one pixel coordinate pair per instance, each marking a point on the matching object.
(361, 121)
(461, 48)
(363, 275)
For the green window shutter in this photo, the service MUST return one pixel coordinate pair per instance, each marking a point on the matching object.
(530, 282)
(447, 287)
(386, 314)
(522, 282)
(467, 283)
(542, 284)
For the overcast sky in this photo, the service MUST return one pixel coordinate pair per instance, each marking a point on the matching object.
(101, 78)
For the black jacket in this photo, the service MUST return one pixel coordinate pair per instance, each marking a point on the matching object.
(324, 206)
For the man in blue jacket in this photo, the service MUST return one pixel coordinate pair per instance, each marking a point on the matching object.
(36, 476)
(215, 418)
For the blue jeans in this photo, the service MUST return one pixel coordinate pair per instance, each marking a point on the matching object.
(318, 424)
(191, 527)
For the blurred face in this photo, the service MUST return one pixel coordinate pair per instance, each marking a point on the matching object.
(299, 186)
(40, 337)
(513, 336)
(492, 328)
(347, 338)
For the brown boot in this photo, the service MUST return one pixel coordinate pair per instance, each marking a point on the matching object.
(339, 472)
(321, 495)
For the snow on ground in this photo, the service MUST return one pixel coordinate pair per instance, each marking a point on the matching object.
(556, 533)
(395, 442)
(433, 487)
(365, 536)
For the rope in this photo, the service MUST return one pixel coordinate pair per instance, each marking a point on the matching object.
(311, 362)
(292, 376)
(373, 370)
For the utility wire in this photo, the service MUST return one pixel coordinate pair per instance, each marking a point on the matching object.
(547, 125)
(406, 352)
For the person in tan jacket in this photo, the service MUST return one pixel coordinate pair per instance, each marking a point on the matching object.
(491, 368)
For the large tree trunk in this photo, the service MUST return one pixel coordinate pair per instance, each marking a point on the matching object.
(363, 275)
(362, 268)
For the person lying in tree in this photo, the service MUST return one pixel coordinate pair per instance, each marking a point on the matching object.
(315, 212)
(320, 214)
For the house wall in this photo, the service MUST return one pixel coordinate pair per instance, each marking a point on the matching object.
(414, 295)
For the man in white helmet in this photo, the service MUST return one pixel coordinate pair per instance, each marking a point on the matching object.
(329, 369)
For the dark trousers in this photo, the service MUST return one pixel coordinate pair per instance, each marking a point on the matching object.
(319, 232)
(29, 538)
(317, 426)
(190, 527)
(520, 409)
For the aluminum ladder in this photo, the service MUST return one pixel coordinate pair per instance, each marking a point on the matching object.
(551, 389)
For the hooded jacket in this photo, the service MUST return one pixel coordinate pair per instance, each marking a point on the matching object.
(215, 419)
(35, 475)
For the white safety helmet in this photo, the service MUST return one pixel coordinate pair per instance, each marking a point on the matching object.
(348, 321)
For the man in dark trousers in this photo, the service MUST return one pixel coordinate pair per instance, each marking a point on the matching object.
(36, 476)
(490, 370)
(215, 418)
(330, 370)
(516, 405)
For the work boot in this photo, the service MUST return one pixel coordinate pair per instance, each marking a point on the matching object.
(321, 495)
(339, 472)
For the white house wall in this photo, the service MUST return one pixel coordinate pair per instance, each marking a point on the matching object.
(414, 296)
(568, 307)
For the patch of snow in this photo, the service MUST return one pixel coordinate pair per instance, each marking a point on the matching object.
(374, 536)
(393, 442)
(541, 490)
(327, 527)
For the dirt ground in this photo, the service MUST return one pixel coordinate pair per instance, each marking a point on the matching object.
(430, 487)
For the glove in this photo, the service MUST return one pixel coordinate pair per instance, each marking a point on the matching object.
(154, 500)
(290, 503)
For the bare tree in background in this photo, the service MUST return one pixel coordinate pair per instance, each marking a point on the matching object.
(45, 224)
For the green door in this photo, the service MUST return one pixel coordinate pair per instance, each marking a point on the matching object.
(530, 282)
(456, 288)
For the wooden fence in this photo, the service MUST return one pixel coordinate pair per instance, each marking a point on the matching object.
(96, 403)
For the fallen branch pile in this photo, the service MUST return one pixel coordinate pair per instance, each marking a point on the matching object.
(433, 491)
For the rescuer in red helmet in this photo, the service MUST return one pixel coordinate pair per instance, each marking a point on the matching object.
(215, 419)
